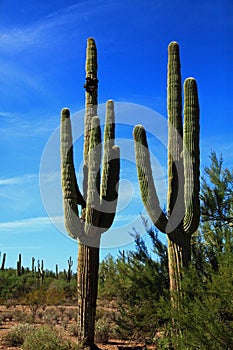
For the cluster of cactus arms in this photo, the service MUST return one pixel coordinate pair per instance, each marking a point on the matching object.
(98, 191)
(91, 213)
(183, 208)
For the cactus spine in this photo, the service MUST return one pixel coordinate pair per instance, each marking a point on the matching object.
(99, 198)
(183, 208)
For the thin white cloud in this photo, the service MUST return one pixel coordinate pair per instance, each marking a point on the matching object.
(37, 34)
(14, 125)
(18, 248)
(18, 180)
(34, 224)
(42, 33)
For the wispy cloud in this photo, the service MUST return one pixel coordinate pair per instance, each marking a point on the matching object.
(32, 224)
(14, 125)
(38, 33)
(18, 180)
(18, 248)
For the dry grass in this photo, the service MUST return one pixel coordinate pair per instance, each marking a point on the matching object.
(61, 317)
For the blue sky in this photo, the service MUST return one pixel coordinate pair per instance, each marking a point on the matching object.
(42, 55)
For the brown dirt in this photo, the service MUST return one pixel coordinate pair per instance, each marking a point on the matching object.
(8, 319)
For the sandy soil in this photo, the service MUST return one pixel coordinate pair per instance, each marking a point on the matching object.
(16, 315)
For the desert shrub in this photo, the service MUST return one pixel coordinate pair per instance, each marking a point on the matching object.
(206, 320)
(103, 329)
(138, 282)
(52, 316)
(54, 296)
(18, 334)
(73, 329)
(48, 338)
(71, 313)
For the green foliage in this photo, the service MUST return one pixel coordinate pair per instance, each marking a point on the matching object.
(103, 329)
(217, 211)
(17, 335)
(22, 289)
(138, 282)
(136, 287)
(48, 338)
(13, 286)
(206, 318)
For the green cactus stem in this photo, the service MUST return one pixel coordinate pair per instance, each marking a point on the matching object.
(90, 213)
(183, 209)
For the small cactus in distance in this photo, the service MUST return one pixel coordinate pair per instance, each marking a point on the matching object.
(20, 268)
(3, 261)
(40, 271)
(183, 209)
(56, 272)
(33, 265)
(69, 271)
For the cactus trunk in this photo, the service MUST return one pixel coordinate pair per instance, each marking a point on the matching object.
(183, 210)
(87, 287)
(100, 191)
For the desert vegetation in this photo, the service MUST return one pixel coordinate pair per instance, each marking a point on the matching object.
(170, 292)
(134, 304)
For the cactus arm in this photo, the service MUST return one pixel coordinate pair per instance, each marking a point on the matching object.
(174, 110)
(110, 171)
(109, 136)
(109, 200)
(147, 187)
(191, 156)
(70, 190)
(174, 88)
(91, 102)
(93, 199)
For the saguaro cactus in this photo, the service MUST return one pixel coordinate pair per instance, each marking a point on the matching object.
(69, 271)
(40, 271)
(20, 269)
(100, 191)
(183, 208)
(33, 265)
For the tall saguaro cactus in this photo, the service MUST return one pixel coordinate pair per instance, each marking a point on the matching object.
(90, 214)
(183, 208)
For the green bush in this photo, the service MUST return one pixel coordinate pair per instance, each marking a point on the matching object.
(103, 328)
(18, 334)
(206, 320)
(138, 282)
(47, 338)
